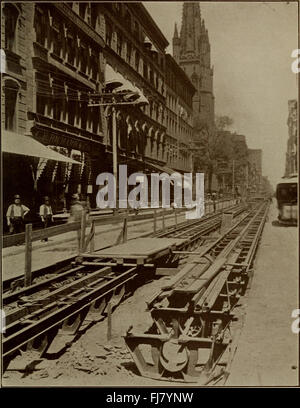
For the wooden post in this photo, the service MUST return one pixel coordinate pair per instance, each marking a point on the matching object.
(28, 254)
(125, 229)
(163, 220)
(92, 243)
(154, 221)
(82, 231)
(109, 328)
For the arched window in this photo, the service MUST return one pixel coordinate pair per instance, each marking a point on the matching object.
(83, 10)
(11, 16)
(108, 33)
(137, 61)
(11, 91)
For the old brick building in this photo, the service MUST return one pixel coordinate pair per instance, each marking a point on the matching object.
(55, 63)
(179, 117)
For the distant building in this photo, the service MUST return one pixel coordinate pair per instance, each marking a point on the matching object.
(255, 169)
(232, 171)
(291, 165)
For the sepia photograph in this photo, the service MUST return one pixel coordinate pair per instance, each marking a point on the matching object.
(149, 193)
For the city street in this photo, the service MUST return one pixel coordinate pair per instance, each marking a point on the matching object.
(267, 350)
(150, 192)
(268, 353)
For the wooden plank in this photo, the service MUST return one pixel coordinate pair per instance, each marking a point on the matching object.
(139, 247)
(166, 271)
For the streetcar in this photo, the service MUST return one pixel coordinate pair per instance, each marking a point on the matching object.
(287, 200)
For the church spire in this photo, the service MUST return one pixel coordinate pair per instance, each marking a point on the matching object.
(192, 52)
(190, 28)
(175, 32)
(176, 44)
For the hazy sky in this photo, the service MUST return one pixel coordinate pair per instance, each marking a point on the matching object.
(251, 46)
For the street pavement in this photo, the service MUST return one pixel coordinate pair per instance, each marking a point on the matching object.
(267, 352)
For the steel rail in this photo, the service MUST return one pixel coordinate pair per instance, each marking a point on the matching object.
(185, 312)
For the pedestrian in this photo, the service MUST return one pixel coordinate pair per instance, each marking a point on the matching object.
(76, 213)
(15, 215)
(214, 198)
(46, 214)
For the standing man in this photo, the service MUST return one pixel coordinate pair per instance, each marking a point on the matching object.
(214, 198)
(46, 214)
(15, 215)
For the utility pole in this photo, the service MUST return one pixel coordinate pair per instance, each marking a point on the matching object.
(115, 153)
(233, 176)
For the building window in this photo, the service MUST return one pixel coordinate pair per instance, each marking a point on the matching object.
(137, 61)
(11, 15)
(151, 77)
(128, 53)
(94, 15)
(39, 25)
(145, 70)
(72, 106)
(136, 30)
(83, 58)
(82, 10)
(11, 90)
(128, 21)
(94, 66)
(96, 119)
(108, 33)
(83, 114)
(43, 94)
(58, 91)
(71, 41)
(57, 38)
(119, 44)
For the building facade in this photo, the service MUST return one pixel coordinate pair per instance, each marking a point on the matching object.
(291, 161)
(63, 60)
(179, 117)
(54, 72)
(135, 48)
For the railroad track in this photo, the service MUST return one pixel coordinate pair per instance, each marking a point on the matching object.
(191, 338)
(45, 317)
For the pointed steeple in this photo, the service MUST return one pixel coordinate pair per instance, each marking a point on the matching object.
(175, 32)
(176, 44)
(192, 51)
(190, 28)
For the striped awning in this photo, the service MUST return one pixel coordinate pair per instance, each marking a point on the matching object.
(16, 143)
(116, 82)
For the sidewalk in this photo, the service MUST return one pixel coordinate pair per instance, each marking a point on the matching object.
(267, 353)
(66, 245)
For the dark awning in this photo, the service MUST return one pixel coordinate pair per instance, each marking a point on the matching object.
(161, 169)
(27, 146)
